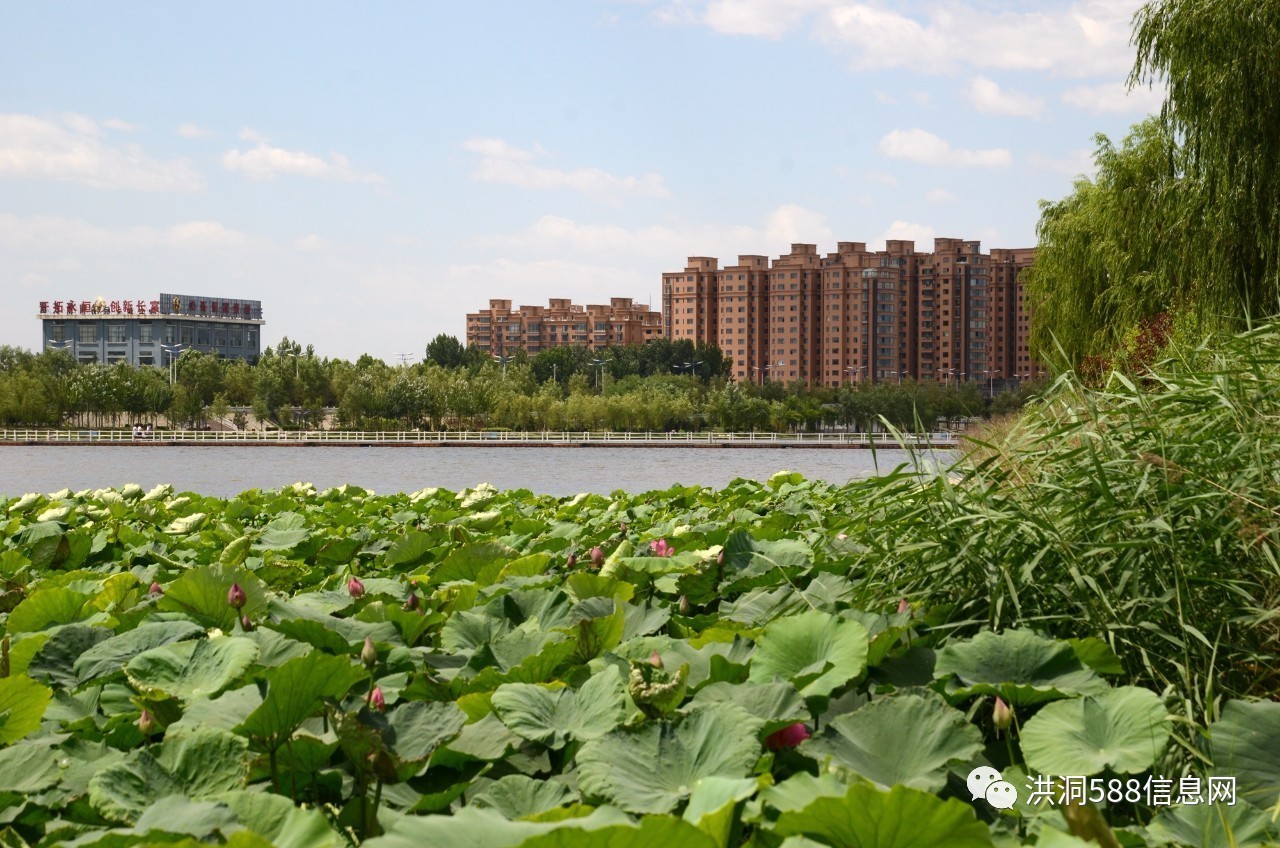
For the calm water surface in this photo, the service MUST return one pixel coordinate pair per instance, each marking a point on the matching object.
(226, 471)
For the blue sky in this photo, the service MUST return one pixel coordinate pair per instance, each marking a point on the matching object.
(372, 172)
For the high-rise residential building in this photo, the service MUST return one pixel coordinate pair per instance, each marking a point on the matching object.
(500, 330)
(887, 315)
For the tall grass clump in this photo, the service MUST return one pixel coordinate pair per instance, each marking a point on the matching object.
(1143, 510)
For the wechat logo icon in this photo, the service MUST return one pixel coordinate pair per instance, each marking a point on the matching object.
(986, 783)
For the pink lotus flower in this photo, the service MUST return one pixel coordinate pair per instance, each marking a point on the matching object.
(377, 701)
(235, 596)
(661, 548)
(788, 737)
(355, 588)
(597, 556)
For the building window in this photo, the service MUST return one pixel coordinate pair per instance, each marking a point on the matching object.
(238, 341)
(169, 331)
(115, 332)
(144, 332)
(58, 331)
(186, 335)
(88, 333)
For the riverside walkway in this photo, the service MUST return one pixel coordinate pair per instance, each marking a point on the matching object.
(473, 438)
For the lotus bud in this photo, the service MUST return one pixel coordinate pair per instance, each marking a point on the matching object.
(720, 558)
(413, 601)
(571, 561)
(1001, 714)
(903, 606)
(369, 654)
(597, 556)
(236, 596)
(377, 701)
(246, 624)
(146, 723)
(788, 737)
(685, 607)
(355, 588)
(655, 660)
(622, 526)
(156, 588)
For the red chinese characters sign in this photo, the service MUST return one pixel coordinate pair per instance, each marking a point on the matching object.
(100, 307)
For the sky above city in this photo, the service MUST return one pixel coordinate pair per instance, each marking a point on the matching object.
(373, 172)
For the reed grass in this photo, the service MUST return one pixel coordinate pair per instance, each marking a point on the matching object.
(1143, 511)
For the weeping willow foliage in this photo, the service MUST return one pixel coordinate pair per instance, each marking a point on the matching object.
(1184, 217)
(1107, 255)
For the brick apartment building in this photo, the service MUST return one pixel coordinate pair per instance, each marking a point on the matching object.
(501, 330)
(953, 314)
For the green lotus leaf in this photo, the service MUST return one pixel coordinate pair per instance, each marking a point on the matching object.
(518, 796)
(648, 832)
(29, 766)
(475, 827)
(713, 805)
(22, 706)
(1018, 666)
(906, 740)
(202, 594)
(197, 765)
(777, 704)
(1245, 742)
(193, 669)
(294, 693)
(815, 651)
(280, 821)
(654, 768)
(1240, 825)
(1123, 729)
(54, 662)
(902, 817)
(554, 716)
(176, 814)
(51, 607)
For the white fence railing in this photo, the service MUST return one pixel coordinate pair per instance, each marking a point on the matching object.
(473, 437)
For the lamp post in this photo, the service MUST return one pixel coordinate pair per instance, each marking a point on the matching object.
(405, 358)
(692, 366)
(855, 371)
(503, 360)
(173, 350)
(600, 363)
(296, 356)
(65, 344)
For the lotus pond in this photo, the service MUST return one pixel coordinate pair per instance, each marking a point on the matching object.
(685, 667)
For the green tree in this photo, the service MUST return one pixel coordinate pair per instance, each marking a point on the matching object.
(447, 351)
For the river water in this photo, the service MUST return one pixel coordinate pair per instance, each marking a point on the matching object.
(226, 471)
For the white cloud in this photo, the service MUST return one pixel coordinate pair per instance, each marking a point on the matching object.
(264, 162)
(73, 150)
(940, 195)
(1074, 163)
(881, 178)
(310, 243)
(765, 18)
(190, 130)
(1078, 38)
(49, 233)
(1114, 98)
(119, 125)
(921, 234)
(504, 163)
(990, 99)
(926, 148)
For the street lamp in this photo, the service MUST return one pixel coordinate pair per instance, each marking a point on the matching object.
(692, 366)
(405, 358)
(855, 371)
(503, 360)
(600, 363)
(65, 344)
(173, 350)
(295, 356)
